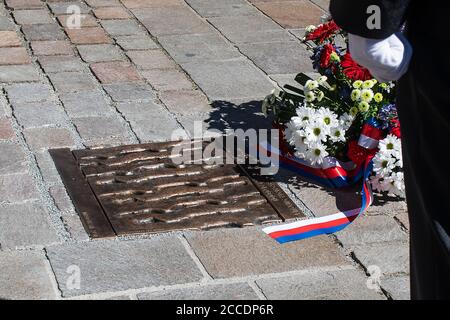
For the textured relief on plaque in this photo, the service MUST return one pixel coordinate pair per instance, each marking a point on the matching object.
(140, 189)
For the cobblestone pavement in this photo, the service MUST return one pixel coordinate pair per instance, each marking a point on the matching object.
(136, 71)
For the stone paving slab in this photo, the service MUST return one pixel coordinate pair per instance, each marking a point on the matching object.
(198, 47)
(43, 32)
(129, 92)
(26, 17)
(48, 138)
(248, 251)
(292, 14)
(208, 8)
(151, 59)
(133, 42)
(100, 53)
(122, 265)
(185, 101)
(391, 258)
(6, 24)
(168, 79)
(39, 114)
(259, 28)
(19, 73)
(294, 57)
(133, 4)
(25, 225)
(87, 20)
(25, 4)
(371, 229)
(72, 81)
(24, 276)
(17, 188)
(50, 48)
(74, 226)
(12, 158)
(174, 20)
(6, 130)
(53, 64)
(47, 168)
(122, 27)
(397, 287)
(324, 4)
(96, 129)
(237, 291)
(333, 285)
(61, 7)
(28, 92)
(238, 79)
(9, 39)
(86, 103)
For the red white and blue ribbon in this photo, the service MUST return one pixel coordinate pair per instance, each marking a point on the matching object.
(331, 174)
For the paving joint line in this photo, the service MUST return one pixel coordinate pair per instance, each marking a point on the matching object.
(70, 126)
(187, 246)
(259, 292)
(52, 275)
(45, 197)
(178, 67)
(111, 103)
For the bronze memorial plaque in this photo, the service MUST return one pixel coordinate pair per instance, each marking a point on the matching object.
(139, 189)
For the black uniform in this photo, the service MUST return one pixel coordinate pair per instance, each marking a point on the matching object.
(424, 111)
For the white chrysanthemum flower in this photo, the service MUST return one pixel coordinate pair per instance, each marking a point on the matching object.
(368, 84)
(289, 131)
(357, 84)
(398, 184)
(391, 145)
(337, 134)
(377, 183)
(316, 153)
(383, 164)
(363, 106)
(327, 117)
(356, 95)
(322, 79)
(305, 114)
(367, 95)
(316, 132)
(311, 85)
(378, 97)
(301, 149)
(310, 96)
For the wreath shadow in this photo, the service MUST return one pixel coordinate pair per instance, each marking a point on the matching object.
(247, 115)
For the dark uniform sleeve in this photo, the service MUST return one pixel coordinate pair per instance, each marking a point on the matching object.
(352, 16)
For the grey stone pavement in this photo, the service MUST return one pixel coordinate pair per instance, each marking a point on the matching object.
(136, 71)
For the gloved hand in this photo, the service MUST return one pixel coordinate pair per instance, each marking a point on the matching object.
(386, 59)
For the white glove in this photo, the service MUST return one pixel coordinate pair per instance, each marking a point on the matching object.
(386, 59)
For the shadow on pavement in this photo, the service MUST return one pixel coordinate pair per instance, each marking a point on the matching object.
(248, 115)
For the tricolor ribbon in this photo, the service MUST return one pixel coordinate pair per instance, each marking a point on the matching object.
(333, 174)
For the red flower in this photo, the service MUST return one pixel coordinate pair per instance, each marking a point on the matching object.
(353, 70)
(323, 32)
(325, 57)
(395, 128)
